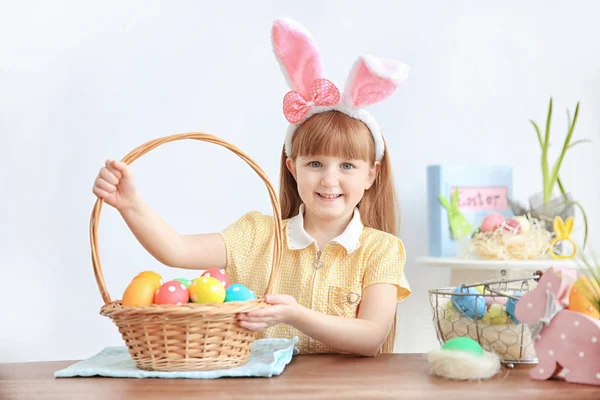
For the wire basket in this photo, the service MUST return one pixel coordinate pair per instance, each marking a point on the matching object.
(501, 334)
(189, 336)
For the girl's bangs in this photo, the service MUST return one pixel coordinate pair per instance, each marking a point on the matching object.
(334, 134)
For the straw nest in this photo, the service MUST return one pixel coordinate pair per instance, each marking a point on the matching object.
(505, 243)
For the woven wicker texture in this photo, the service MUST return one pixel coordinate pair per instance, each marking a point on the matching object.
(190, 336)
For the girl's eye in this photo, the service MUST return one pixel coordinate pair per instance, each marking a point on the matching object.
(347, 166)
(314, 164)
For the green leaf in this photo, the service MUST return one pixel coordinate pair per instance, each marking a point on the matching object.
(557, 164)
(579, 142)
(546, 184)
(593, 272)
(561, 187)
(585, 220)
(539, 135)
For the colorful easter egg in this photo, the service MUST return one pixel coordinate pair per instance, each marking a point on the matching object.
(186, 282)
(491, 222)
(463, 344)
(207, 289)
(154, 276)
(524, 223)
(239, 292)
(448, 312)
(140, 292)
(172, 292)
(218, 274)
(489, 300)
(511, 304)
(579, 302)
(498, 315)
(513, 225)
(471, 306)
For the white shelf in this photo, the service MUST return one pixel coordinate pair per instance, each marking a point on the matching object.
(465, 263)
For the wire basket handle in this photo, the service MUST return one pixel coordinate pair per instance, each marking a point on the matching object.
(204, 137)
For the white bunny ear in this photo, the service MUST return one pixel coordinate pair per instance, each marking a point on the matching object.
(297, 55)
(373, 79)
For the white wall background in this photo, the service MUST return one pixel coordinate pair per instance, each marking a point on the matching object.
(84, 81)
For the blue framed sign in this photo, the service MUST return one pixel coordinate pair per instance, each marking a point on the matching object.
(481, 191)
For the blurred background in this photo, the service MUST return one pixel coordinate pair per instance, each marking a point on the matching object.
(81, 82)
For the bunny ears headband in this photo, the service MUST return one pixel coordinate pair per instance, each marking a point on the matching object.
(371, 80)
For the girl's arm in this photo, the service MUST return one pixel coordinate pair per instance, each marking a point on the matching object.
(170, 247)
(363, 335)
(115, 185)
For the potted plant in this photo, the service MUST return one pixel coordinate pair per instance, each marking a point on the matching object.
(546, 204)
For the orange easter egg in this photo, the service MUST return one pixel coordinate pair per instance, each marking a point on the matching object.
(140, 292)
(154, 276)
(579, 302)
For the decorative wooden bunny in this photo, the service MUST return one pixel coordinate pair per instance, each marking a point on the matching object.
(459, 226)
(565, 341)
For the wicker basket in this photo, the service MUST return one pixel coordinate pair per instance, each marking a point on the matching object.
(190, 336)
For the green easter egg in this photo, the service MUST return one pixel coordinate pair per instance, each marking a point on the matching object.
(186, 282)
(464, 344)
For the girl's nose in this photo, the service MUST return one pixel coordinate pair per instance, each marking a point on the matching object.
(329, 178)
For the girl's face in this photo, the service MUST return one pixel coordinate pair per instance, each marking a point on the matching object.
(331, 187)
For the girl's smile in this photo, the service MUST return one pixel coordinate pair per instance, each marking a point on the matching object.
(329, 197)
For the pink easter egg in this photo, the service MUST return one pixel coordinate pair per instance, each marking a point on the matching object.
(219, 274)
(514, 224)
(491, 222)
(172, 292)
(495, 300)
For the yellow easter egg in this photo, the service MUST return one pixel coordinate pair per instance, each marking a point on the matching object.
(154, 276)
(579, 302)
(140, 292)
(498, 315)
(207, 289)
(448, 311)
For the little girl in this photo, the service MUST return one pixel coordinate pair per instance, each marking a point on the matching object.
(342, 268)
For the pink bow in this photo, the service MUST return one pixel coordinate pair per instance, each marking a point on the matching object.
(322, 93)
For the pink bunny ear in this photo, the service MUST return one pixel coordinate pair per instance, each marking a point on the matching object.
(297, 55)
(373, 79)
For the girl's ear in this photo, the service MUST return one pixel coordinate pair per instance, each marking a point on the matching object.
(291, 166)
(373, 173)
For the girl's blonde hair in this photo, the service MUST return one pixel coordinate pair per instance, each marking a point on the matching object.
(336, 134)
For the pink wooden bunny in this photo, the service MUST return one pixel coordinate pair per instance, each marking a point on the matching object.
(565, 341)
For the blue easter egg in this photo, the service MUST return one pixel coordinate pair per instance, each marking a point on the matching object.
(471, 306)
(238, 292)
(511, 304)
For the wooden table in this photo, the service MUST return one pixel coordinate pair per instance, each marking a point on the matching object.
(390, 376)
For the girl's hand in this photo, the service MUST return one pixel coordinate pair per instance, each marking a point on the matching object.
(115, 185)
(283, 310)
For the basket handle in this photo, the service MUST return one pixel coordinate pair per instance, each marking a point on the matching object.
(204, 137)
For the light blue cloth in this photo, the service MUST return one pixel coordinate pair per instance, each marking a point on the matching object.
(268, 358)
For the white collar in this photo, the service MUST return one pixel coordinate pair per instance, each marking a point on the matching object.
(297, 238)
